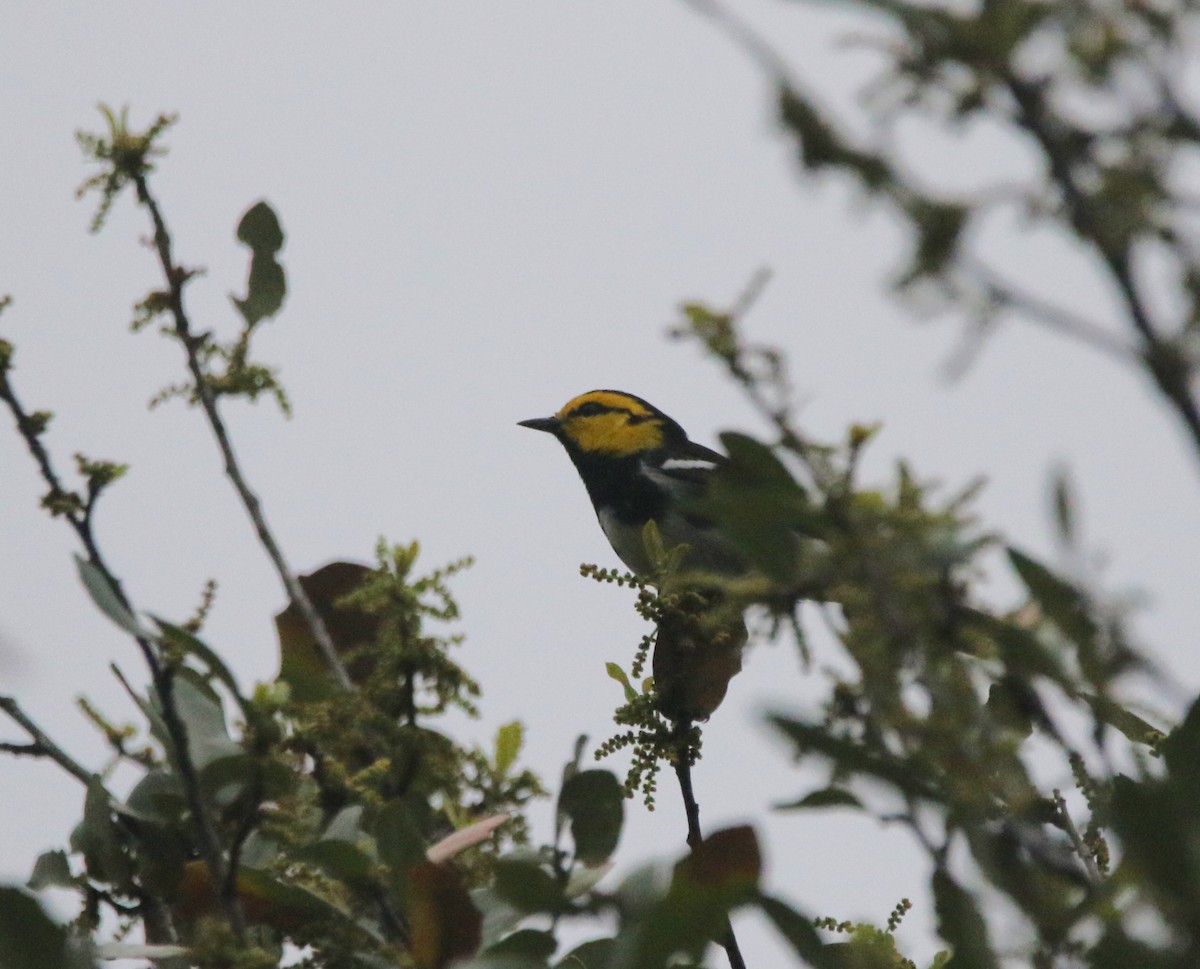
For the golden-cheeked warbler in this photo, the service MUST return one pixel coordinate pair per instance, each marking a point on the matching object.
(638, 466)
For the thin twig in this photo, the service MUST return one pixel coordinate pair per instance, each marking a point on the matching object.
(176, 278)
(229, 888)
(1050, 315)
(22, 750)
(42, 745)
(79, 520)
(683, 771)
(746, 37)
(1077, 842)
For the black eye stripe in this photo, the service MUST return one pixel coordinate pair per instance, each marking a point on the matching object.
(592, 408)
(589, 409)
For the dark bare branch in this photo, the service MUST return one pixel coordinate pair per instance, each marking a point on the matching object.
(42, 745)
(683, 772)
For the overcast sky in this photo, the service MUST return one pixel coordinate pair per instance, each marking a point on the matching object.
(489, 208)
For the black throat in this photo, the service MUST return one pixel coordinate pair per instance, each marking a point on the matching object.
(618, 485)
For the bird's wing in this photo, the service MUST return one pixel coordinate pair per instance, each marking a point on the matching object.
(687, 465)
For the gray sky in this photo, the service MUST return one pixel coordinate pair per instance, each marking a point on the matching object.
(490, 208)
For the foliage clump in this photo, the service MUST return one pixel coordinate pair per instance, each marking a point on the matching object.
(327, 809)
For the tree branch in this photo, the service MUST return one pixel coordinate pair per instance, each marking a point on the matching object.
(683, 772)
(1049, 315)
(79, 519)
(228, 887)
(1077, 842)
(176, 278)
(1164, 362)
(42, 745)
(745, 37)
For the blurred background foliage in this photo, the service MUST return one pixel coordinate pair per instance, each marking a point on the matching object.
(328, 818)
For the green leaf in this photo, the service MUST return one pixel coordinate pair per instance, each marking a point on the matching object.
(595, 803)
(1117, 951)
(1062, 603)
(265, 290)
(259, 229)
(727, 861)
(345, 826)
(226, 778)
(530, 943)
(583, 879)
(849, 755)
(1159, 831)
(301, 664)
(189, 644)
(202, 715)
(99, 839)
(260, 851)
(656, 551)
(615, 672)
(499, 917)
(1181, 749)
(107, 600)
(444, 924)
(528, 887)
(267, 285)
(876, 950)
(501, 960)
(938, 227)
(398, 837)
(341, 859)
(1023, 652)
(820, 145)
(641, 889)
(719, 874)
(509, 739)
(286, 905)
(158, 798)
(1064, 506)
(759, 505)
(1013, 703)
(798, 930)
(160, 853)
(1126, 721)
(28, 937)
(757, 462)
(960, 924)
(826, 798)
(51, 870)
(595, 954)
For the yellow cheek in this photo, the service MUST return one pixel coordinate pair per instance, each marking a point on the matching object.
(613, 434)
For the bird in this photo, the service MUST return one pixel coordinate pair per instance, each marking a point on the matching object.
(639, 465)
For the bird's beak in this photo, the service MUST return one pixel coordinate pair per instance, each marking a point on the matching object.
(548, 424)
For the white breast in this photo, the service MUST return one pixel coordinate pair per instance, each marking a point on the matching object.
(708, 550)
(626, 541)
